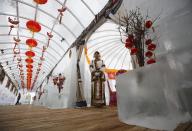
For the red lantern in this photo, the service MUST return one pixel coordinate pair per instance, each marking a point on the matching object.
(29, 66)
(30, 53)
(33, 26)
(148, 24)
(29, 70)
(131, 37)
(134, 51)
(151, 61)
(128, 44)
(29, 60)
(40, 1)
(151, 47)
(31, 42)
(148, 54)
(149, 41)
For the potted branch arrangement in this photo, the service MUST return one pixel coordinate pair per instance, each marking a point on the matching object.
(140, 37)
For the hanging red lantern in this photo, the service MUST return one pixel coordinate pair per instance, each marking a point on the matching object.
(151, 61)
(29, 70)
(30, 53)
(40, 1)
(148, 41)
(134, 51)
(149, 54)
(29, 66)
(29, 60)
(31, 42)
(151, 47)
(33, 26)
(148, 24)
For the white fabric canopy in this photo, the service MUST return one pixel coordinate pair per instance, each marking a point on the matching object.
(76, 18)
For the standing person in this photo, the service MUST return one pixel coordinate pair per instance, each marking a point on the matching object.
(97, 68)
(18, 99)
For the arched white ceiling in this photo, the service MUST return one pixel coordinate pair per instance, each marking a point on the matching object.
(75, 19)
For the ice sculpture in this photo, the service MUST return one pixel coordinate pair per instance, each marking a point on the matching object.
(159, 96)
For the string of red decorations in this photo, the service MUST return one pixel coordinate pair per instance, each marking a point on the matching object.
(13, 24)
(61, 11)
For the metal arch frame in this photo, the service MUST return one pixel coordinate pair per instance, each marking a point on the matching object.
(87, 31)
(47, 64)
(101, 31)
(51, 60)
(104, 41)
(106, 45)
(12, 64)
(40, 42)
(117, 49)
(25, 49)
(12, 72)
(118, 57)
(46, 14)
(88, 7)
(111, 48)
(7, 14)
(103, 37)
(58, 44)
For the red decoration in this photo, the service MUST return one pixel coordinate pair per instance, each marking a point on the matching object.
(134, 51)
(121, 72)
(29, 60)
(30, 53)
(149, 54)
(148, 24)
(29, 70)
(128, 44)
(151, 47)
(111, 75)
(33, 26)
(14, 22)
(29, 66)
(151, 61)
(149, 41)
(61, 13)
(31, 42)
(40, 1)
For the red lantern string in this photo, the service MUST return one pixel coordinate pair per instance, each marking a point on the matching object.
(12, 22)
(33, 26)
(148, 41)
(29, 60)
(40, 1)
(30, 53)
(151, 61)
(31, 42)
(148, 24)
(50, 36)
(29, 66)
(149, 54)
(151, 47)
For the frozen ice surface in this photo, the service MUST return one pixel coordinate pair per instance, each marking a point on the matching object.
(158, 96)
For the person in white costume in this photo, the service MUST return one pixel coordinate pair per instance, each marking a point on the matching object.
(98, 79)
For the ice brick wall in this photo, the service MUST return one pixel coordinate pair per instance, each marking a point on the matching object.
(158, 96)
